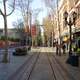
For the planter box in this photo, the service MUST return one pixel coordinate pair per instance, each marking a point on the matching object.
(73, 60)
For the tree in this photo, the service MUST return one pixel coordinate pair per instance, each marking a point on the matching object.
(53, 8)
(51, 5)
(19, 26)
(24, 7)
(49, 27)
(39, 39)
(10, 5)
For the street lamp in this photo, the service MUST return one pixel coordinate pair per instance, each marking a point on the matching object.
(70, 23)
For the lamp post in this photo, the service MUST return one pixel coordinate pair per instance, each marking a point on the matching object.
(70, 23)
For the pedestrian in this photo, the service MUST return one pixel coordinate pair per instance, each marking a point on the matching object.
(57, 48)
(64, 48)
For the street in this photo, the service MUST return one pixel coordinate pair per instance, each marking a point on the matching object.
(40, 64)
(39, 39)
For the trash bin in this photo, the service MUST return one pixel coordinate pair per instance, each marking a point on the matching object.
(73, 60)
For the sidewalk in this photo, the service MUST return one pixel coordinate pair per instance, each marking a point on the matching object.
(34, 49)
(9, 68)
(15, 62)
(74, 71)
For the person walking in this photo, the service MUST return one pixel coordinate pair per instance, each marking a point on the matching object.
(64, 48)
(57, 48)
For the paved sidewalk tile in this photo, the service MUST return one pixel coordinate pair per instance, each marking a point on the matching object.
(7, 69)
(16, 61)
(74, 71)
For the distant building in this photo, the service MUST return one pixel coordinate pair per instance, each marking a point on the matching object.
(12, 33)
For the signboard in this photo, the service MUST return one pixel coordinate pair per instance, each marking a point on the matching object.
(33, 30)
(27, 29)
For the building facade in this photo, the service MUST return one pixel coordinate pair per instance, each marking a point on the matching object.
(69, 6)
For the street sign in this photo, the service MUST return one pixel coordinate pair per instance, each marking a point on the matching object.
(33, 30)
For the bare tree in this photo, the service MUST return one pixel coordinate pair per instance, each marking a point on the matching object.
(7, 5)
(20, 31)
(24, 7)
(51, 5)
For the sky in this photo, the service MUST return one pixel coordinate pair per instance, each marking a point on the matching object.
(16, 15)
(39, 4)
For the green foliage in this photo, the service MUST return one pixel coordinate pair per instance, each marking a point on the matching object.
(10, 39)
(2, 38)
(14, 39)
(39, 40)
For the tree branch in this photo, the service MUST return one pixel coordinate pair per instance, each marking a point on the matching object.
(12, 10)
(1, 13)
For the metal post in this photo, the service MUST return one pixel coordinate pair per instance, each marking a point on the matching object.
(70, 23)
(70, 30)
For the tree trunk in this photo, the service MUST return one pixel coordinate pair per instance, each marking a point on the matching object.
(5, 56)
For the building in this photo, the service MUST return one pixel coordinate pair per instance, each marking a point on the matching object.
(12, 33)
(64, 30)
(69, 6)
(77, 6)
